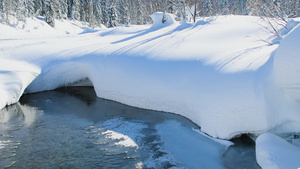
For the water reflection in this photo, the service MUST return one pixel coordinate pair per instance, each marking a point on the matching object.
(72, 128)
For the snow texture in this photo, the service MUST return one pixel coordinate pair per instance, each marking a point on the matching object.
(161, 19)
(218, 72)
(15, 76)
(272, 152)
(286, 64)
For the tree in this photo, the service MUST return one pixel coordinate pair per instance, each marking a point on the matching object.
(111, 15)
(49, 13)
(75, 13)
(97, 12)
(179, 8)
(3, 11)
(89, 13)
(139, 13)
(104, 11)
(56, 7)
(124, 12)
(21, 12)
(38, 7)
(63, 5)
(30, 8)
(225, 7)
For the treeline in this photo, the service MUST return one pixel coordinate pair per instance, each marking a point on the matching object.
(114, 12)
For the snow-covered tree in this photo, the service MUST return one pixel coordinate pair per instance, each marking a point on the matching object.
(225, 7)
(21, 11)
(49, 13)
(123, 7)
(63, 5)
(3, 11)
(38, 7)
(90, 18)
(254, 7)
(111, 15)
(30, 8)
(179, 8)
(139, 12)
(104, 7)
(97, 12)
(55, 4)
(75, 14)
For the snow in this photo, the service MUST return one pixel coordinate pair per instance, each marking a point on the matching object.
(218, 72)
(272, 152)
(286, 64)
(126, 132)
(161, 19)
(37, 27)
(15, 76)
(126, 141)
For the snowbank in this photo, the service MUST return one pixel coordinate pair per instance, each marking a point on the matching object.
(215, 72)
(272, 152)
(285, 105)
(37, 27)
(286, 64)
(161, 19)
(15, 76)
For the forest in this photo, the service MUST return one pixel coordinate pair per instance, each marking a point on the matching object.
(111, 13)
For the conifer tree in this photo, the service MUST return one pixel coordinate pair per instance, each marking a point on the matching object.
(97, 13)
(75, 14)
(111, 15)
(38, 7)
(30, 8)
(104, 7)
(3, 12)
(49, 13)
(21, 12)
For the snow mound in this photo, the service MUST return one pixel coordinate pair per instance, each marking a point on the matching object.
(286, 64)
(272, 152)
(161, 19)
(284, 100)
(15, 76)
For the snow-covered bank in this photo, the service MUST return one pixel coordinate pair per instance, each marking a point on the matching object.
(15, 76)
(218, 73)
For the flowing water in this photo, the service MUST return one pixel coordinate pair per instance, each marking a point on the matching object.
(72, 128)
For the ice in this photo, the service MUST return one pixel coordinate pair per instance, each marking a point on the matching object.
(226, 143)
(192, 149)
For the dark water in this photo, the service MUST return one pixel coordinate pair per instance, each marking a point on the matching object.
(72, 128)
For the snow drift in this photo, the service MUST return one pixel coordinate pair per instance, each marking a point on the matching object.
(272, 152)
(161, 19)
(218, 73)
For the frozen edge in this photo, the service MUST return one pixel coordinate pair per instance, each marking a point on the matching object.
(226, 143)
